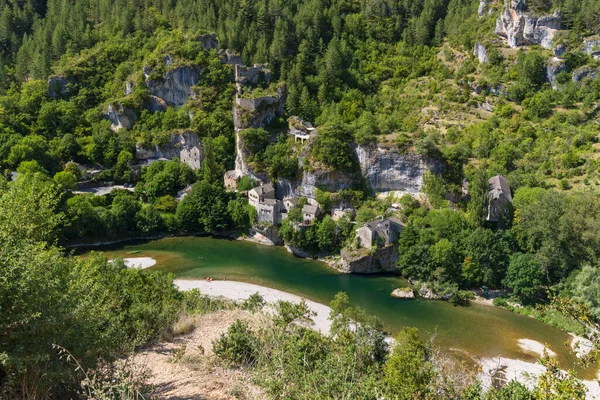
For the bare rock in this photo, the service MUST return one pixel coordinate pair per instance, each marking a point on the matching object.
(591, 46)
(520, 28)
(367, 262)
(586, 72)
(386, 169)
(403, 293)
(175, 86)
(554, 67)
(209, 41)
(481, 53)
(120, 117)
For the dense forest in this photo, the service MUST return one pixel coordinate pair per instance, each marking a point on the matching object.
(366, 72)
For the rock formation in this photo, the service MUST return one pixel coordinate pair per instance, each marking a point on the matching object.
(403, 293)
(57, 86)
(385, 169)
(591, 46)
(175, 86)
(520, 28)
(363, 262)
(171, 150)
(209, 41)
(120, 117)
(554, 67)
(481, 53)
(585, 72)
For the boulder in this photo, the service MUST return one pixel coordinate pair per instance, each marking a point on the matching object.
(554, 67)
(120, 117)
(585, 72)
(57, 86)
(128, 88)
(403, 293)
(520, 28)
(175, 86)
(480, 53)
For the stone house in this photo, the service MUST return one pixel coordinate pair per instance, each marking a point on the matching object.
(290, 203)
(231, 179)
(380, 233)
(192, 156)
(339, 212)
(310, 213)
(268, 208)
(500, 199)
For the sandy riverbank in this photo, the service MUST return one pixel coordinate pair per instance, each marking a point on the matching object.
(139, 262)
(240, 291)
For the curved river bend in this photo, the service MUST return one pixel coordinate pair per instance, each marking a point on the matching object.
(479, 330)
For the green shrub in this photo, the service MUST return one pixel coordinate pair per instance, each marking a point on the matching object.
(239, 346)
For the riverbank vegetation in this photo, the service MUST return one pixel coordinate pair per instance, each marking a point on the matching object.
(394, 73)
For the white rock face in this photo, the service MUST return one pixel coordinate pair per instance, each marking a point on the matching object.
(179, 141)
(555, 66)
(174, 87)
(520, 28)
(592, 47)
(483, 6)
(481, 53)
(120, 117)
(585, 72)
(385, 169)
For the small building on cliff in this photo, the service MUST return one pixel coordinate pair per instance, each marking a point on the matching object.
(231, 179)
(500, 199)
(193, 155)
(379, 233)
(268, 208)
(310, 213)
(301, 130)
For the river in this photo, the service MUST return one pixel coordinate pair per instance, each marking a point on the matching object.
(482, 331)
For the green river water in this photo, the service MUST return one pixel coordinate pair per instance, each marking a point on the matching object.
(479, 330)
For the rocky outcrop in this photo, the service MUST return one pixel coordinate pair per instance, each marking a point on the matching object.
(403, 293)
(57, 86)
(427, 293)
(232, 58)
(591, 46)
(156, 104)
(330, 181)
(175, 86)
(209, 41)
(120, 117)
(170, 150)
(585, 72)
(386, 169)
(365, 262)
(480, 53)
(258, 112)
(554, 67)
(520, 28)
(483, 7)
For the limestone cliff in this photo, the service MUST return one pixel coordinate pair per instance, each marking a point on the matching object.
(175, 86)
(120, 117)
(365, 262)
(386, 169)
(171, 149)
(521, 28)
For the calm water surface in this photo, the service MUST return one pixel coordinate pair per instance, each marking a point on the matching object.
(479, 330)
